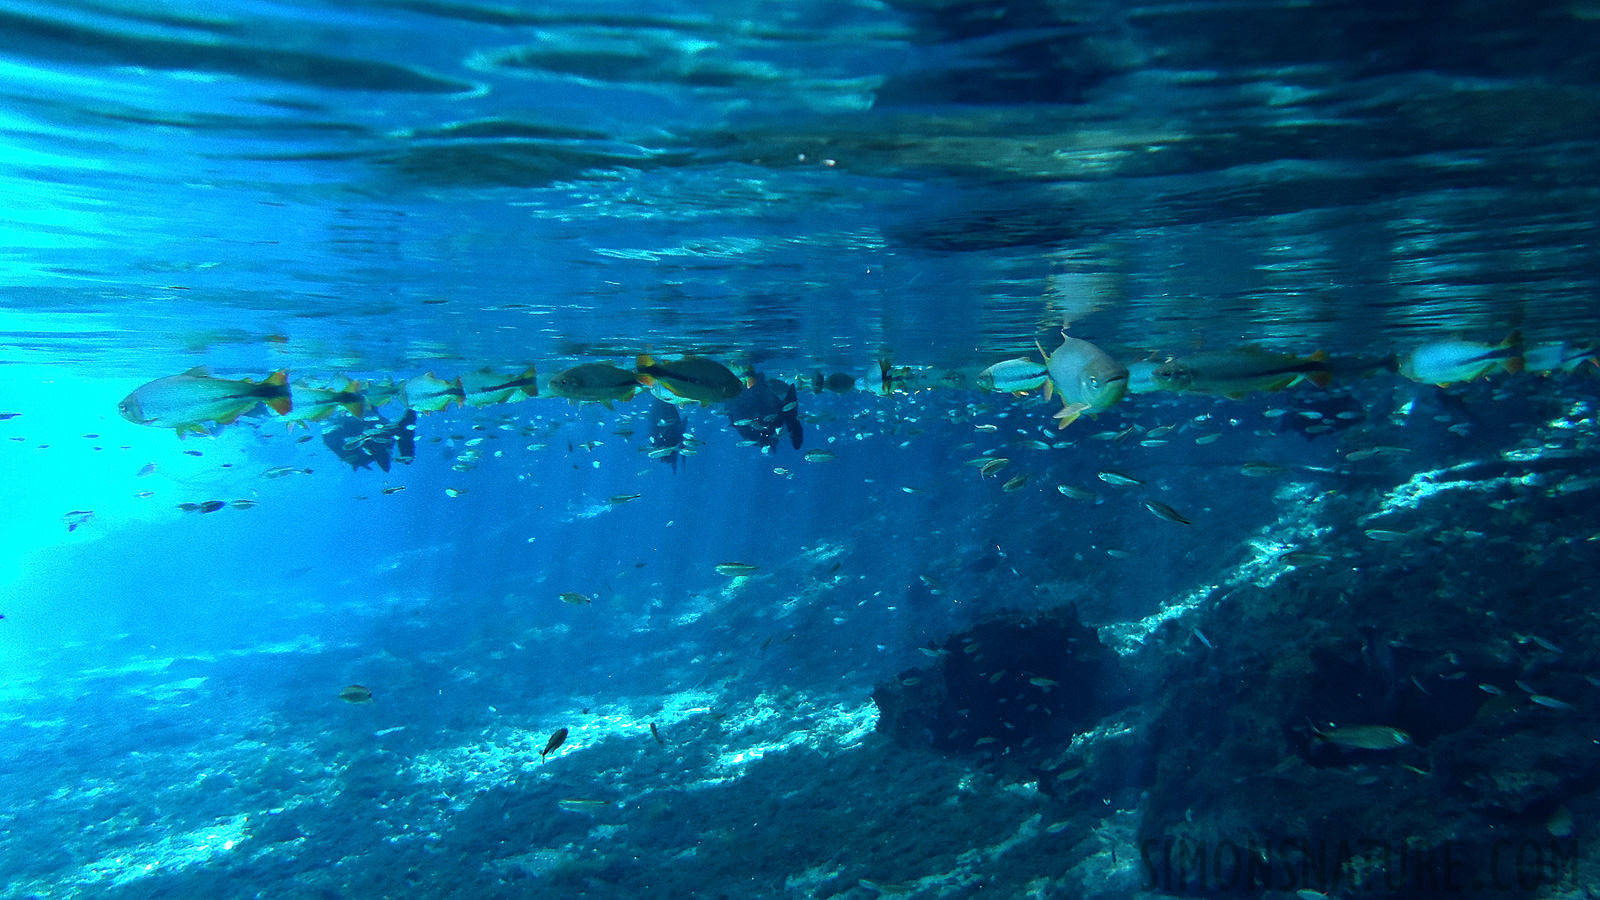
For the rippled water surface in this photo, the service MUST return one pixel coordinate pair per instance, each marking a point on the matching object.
(386, 184)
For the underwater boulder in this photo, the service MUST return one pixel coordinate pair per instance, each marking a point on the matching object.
(1007, 683)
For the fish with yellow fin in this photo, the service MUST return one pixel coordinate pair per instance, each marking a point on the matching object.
(194, 399)
(309, 404)
(486, 387)
(1450, 361)
(689, 379)
(1015, 376)
(1562, 356)
(429, 393)
(1085, 377)
(1234, 373)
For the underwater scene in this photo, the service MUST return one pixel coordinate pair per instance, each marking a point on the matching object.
(848, 449)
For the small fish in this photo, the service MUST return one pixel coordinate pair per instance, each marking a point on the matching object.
(589, 807)
(242, 504)
(1384, 535)
(1305, 558)
(280, 471)
(1542, 642)
(574, 599)
(1014, 376)
(986, 429)
(194, 399)
(1043, 682)
(355, 693)
(148, 470)
(1118, 479)
(819, 456)
(1491, 690)
(688, 378)
(77, 517)
(1449, 361)
(1550, 702)
(736, 569)
(1364, 737)
(619, 499)
(211, 506)
(993, 465)
(394, 489)
(1165, 512)
(1074, 493)
(556, 740)
(1015, 484)
(1261, 469)
(1201, 636)
(656, 734)
(454, 492)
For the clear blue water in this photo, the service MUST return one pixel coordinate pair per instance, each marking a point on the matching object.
(380, 190)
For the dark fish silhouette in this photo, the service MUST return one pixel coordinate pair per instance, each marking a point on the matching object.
(666, 432)
(363, 442)
(355, 693)
(764, 409)
(556, 740)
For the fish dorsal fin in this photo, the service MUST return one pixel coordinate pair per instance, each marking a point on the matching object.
(199, 372)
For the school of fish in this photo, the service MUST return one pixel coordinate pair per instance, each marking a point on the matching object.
(1086, 380)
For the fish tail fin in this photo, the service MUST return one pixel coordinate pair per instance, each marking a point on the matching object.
(1513, 342)
(357, 405)
(1514, 361)
(279, 399)
(885, 376)
(530, 375)
(644, 361)
(1322, 375)
(1049, 383)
